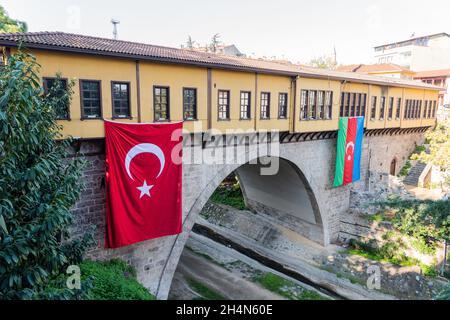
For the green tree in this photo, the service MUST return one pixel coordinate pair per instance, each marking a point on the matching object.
(39, 184)
(190, 44)
(323, 62)
(215, 42)
(439, 151)
(8, 25)
(426, 220)
(444, 294)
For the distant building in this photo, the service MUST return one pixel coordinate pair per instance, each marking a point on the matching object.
(439, 78)
(228, 50)
(430, 52)
(383, 70)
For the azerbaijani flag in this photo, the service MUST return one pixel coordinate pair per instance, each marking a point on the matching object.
(348, 155)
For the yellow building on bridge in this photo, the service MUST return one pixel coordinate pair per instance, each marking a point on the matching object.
(133, 82)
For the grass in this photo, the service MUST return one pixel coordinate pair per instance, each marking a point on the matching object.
(113, 280)
(286, 288)
(405, 170)
(205, 292)
(230, 195)
(423, 247)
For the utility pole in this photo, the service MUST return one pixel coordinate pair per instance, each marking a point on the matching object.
(115, 23)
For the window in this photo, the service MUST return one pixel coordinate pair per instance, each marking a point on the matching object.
(434, 109)
(245, 105)
(328, 104)
(312, 105)
(161, 105)
(419, 111)
(282, 105)
(224, 104)
(189, 104)
(425, 109)
(391, 108)
(429, 108)
(91, 107)
(56, 91)
(352, 105)
(399, 105)
(320, 105)
(121, 99)
(373, 108)
(304, 105)
(357, 104)
(265, 105)
(363, 104)
(346, 105)
(382, 107)
(341, 109)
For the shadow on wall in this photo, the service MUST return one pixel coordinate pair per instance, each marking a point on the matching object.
(286, 197)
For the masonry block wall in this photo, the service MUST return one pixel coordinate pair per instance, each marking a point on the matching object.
(156, 260)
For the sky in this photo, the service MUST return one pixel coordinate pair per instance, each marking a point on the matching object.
(286, 29)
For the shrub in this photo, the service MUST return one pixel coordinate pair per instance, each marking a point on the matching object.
(229, 194)
(405, 170)
(444, 294)
(113, 280)
(39, 183)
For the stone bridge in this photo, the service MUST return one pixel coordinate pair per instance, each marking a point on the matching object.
(300, 194)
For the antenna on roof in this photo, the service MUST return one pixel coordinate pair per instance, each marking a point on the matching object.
(115, 23)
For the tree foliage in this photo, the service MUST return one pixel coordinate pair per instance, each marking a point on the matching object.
(439, 141)
(190, 43)
(422, 219)
(39, 183)
(215, 42)
(323, 62)
(8, 25)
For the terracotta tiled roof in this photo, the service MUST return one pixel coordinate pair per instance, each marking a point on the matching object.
(349, 68)
(374, 68)
(432, 74)
(67, 42)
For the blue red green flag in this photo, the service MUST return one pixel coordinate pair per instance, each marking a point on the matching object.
(348, 153)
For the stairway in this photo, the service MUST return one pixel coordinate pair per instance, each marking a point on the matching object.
(413, 176)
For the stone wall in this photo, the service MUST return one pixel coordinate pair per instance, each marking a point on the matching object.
(156, 260)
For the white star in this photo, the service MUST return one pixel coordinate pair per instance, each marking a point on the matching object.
(145, 190)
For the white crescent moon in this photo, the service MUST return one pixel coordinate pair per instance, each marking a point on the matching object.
(350, 144)
(144, 148)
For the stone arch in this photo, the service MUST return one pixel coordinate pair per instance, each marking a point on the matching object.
(202, 198)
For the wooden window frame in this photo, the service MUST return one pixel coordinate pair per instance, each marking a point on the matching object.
(347, 104)
(128, 84)
(382, 108)
(227, 105)
(328, 107)
(267, 107)
(373, 107)
(83, 116)
(167, 103)
(312, 108)
(195, 104)
(281, 94)
(46, 92)
(363, 104)
(391, 108)
(304, 105)
(248, 106)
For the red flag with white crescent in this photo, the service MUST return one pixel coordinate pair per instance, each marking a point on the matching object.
(143, 182)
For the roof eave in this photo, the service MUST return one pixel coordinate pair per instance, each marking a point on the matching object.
(146, 58)
(30, 45)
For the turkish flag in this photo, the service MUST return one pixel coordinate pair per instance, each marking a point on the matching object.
(143, 182)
